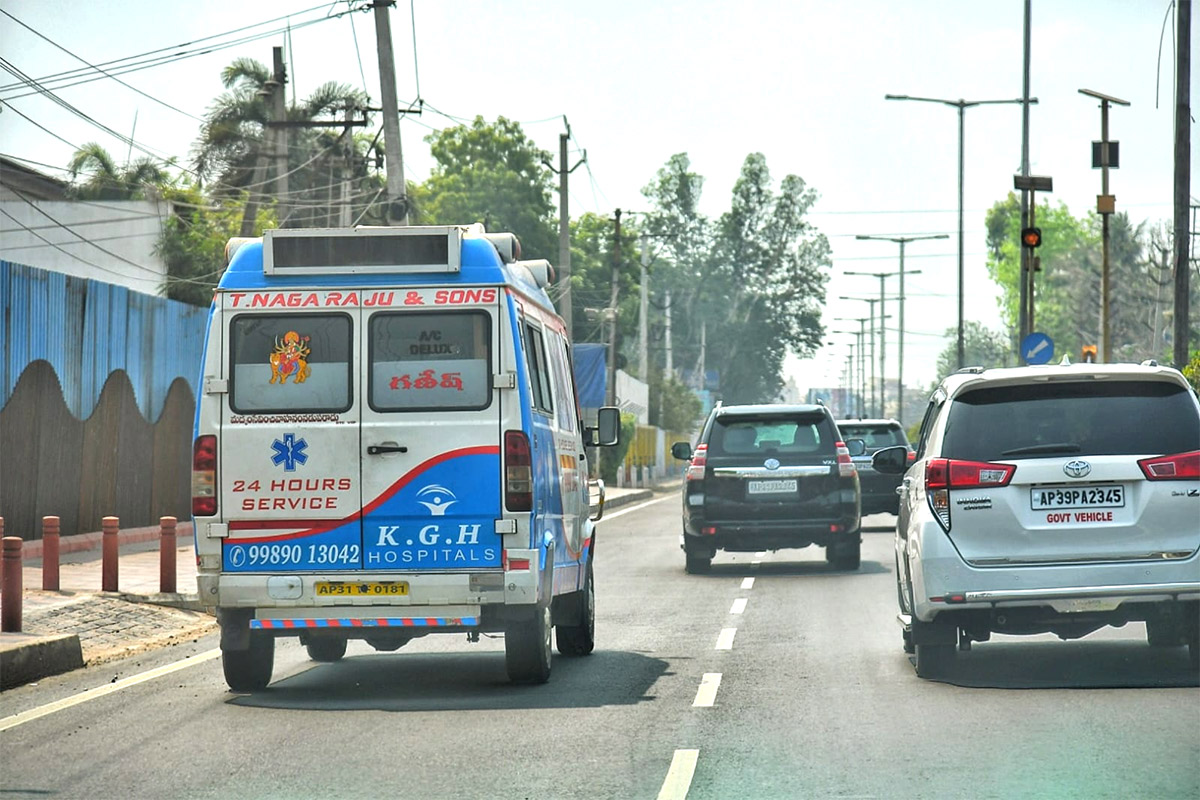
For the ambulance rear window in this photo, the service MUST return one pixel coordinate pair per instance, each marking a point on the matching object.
(430, 361)
(289, 363)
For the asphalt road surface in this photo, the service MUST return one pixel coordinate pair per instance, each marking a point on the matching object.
(772, 677)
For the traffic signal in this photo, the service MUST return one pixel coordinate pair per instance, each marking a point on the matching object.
(1031, 237)
(1089, 354)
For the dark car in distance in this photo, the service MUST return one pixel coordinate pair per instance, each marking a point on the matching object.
(769, 477)
(879, 491)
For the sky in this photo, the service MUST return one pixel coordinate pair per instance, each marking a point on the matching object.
(801, 81)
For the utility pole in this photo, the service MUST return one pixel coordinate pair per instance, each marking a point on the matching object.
(1104, 156)
(397, 190)
(643, 309)
(344, 220)
(564, 226)
(279, 114)
(902, 240)
(1025, 323)
(872, 301)
(1183, 155)
(611, 311)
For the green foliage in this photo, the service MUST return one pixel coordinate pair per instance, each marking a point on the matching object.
(491, 173)
(104, 180)
(593, 254)
(1067, 290)
(1191, 371)
(193, 242)
(751, 285)
(981, 348)
(680, 407)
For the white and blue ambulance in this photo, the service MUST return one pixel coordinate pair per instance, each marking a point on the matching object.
(388, 444)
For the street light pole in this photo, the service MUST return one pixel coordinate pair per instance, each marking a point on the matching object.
(862, 380)
(962, 106)
(872, 301)
(901, 240)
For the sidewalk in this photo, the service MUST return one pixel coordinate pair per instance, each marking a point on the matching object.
(81, 625)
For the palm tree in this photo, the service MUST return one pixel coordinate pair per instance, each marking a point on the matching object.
(104, 180)
(233, 139)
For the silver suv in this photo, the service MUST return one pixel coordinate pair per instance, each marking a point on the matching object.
(1056, 499)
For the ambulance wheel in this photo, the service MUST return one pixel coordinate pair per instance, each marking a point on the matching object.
(580, 640)
(527, 647)
(250, 670)
(325, 648)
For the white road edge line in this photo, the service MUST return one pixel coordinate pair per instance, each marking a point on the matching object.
(725, 639)
(679, 776)
(100, 691)
(739, 605)
(638, 507)
(707, 693)
(747, 583)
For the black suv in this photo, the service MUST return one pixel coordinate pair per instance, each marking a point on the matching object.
(878, 490)
(767, 477)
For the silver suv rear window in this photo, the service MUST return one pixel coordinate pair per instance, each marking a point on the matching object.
(802, 434)
(1055, 419)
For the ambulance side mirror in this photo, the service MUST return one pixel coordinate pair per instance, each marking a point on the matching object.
(608, 428)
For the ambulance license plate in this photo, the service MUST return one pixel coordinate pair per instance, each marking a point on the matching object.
(361, 589)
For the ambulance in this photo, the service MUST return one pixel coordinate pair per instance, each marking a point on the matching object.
(389, 444)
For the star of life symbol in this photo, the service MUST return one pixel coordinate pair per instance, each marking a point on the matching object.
(289, 452)
(440, 499)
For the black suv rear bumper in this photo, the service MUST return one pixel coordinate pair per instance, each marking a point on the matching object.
(750, 537)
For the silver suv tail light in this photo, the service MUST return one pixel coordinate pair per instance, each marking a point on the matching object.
(944, 474)
(1178, 467)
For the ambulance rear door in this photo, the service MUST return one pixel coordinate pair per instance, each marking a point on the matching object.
(431, 431)
(289, 443)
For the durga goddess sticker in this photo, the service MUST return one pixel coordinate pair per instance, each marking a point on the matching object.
(290, 358)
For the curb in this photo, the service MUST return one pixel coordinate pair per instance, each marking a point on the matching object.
(32, 549)
(25, 657)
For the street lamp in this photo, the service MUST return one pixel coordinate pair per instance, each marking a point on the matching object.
(872, 301)
(882, 337)
(862, 373)
(962, 106)
(902, 240)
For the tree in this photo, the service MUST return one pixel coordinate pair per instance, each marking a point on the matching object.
(982, 347)
(104, 180)
(491, 173)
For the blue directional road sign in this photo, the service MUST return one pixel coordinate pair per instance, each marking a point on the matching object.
(1037, 348)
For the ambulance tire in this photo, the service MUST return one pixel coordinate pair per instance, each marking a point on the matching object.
(527, 646)
(580, 640)
(325, 649)
(250, 670)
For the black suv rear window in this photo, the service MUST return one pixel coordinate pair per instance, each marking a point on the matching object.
(802, 434)
(1054, 419)
(875, 437)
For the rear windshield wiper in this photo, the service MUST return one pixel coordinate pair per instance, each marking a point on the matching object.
(1051, 447)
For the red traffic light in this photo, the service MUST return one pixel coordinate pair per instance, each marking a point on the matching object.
(1031, 237)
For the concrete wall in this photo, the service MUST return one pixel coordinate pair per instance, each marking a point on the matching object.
(110, 241)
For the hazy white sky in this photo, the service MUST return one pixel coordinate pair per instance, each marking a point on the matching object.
(803, 82)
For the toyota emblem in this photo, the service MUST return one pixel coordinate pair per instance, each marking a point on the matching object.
(1077, 468)
(771, 463)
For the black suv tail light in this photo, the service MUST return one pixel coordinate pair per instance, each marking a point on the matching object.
(695, 471)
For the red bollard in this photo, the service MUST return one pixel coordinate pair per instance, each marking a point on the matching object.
(166, 555)
(108, 566)
(50, 530)
(10, 585)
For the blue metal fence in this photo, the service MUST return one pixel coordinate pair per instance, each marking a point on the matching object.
(87, 329)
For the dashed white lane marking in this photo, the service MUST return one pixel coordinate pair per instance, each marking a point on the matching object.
(707, 693)
(679, 776)
(761, 554)
(739, 605)
(638, 507)
(754, 564)
(747, 583)
(725, 639)
(101, 691)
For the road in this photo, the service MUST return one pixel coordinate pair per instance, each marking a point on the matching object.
(772, 677)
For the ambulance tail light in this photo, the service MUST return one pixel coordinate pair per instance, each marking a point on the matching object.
(518, 472)
(204, 476)
(695, 470)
